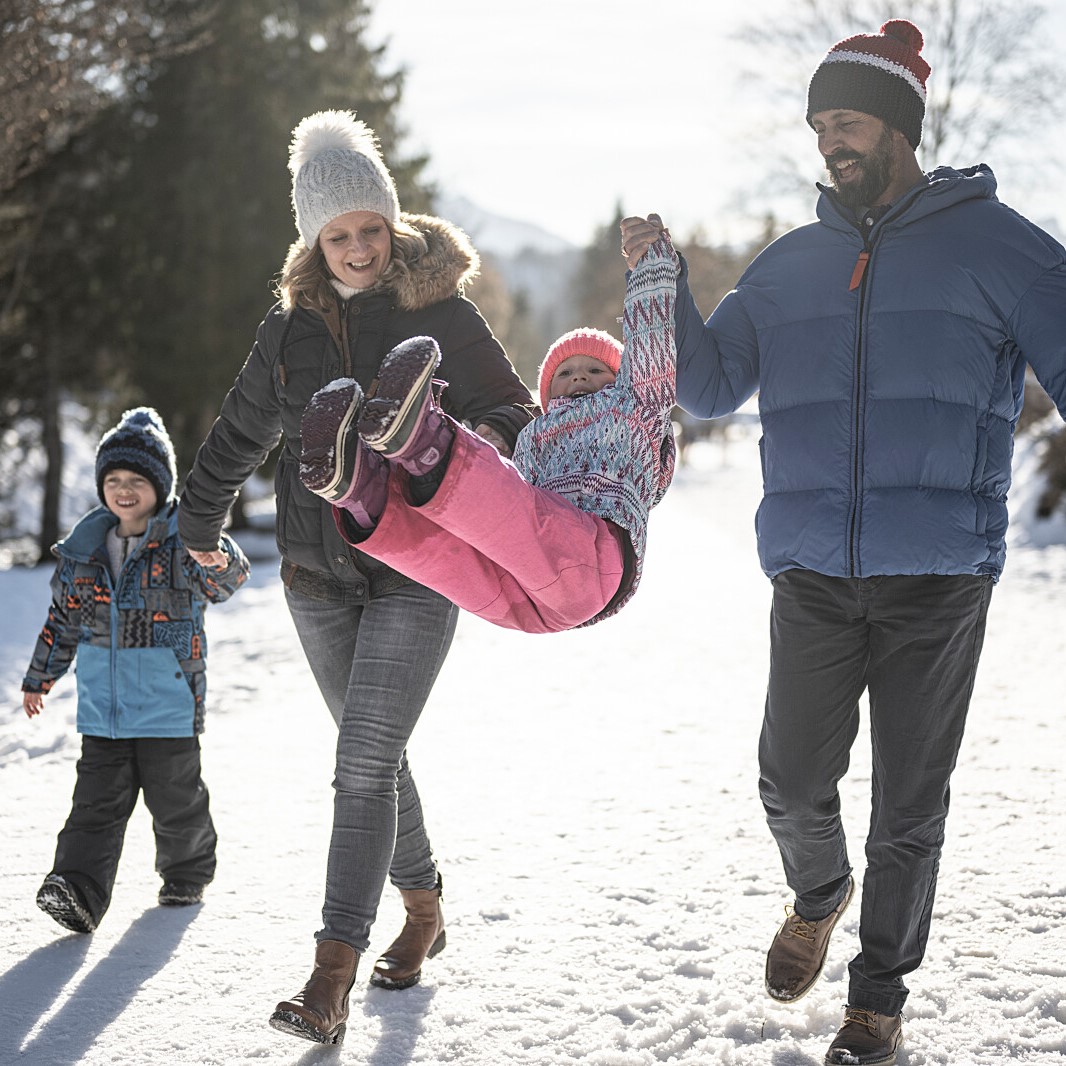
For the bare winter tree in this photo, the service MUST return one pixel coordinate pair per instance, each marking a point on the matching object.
(61, 62)
(994, 90)
(993, 82)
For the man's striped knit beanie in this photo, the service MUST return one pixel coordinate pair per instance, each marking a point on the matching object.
(878, 74)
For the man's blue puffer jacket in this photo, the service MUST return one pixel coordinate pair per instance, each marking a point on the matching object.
(888, 408)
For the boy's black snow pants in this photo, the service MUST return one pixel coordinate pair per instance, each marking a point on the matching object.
(911, 642)
(110, 775)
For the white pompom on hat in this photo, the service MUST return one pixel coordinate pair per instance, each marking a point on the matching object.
(336, 167)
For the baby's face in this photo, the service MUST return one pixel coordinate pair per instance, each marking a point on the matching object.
(580, 375)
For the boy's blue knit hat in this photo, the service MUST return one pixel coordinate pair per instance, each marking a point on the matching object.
(140, 443)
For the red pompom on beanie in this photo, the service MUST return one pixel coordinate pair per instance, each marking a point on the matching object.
(878, 74)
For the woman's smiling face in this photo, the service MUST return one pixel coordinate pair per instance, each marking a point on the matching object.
(357, 247)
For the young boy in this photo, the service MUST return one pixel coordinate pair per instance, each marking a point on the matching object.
(549, 542)
(128, 600)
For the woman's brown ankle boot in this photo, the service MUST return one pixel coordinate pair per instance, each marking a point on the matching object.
(422, 937)
(319, 1010)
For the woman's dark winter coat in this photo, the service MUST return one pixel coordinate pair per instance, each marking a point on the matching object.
(297, 352)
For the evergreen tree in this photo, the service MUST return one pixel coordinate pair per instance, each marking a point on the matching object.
(139, 237)
(61, 65)
(599, 288)
(203, 216)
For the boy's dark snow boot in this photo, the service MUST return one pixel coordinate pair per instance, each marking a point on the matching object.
(866, 1039)
(402, 419)
(334, 462)
(60, 899)
(422, 937)
(319, 1010)
(180, 894)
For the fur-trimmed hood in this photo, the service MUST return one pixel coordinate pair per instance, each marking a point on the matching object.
(449, 263)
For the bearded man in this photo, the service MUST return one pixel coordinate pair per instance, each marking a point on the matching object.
(888, 343)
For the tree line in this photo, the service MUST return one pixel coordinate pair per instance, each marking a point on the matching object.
(146, 209)
(144, 192)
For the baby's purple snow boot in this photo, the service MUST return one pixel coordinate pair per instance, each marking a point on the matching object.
(334, 462)
(402, 420)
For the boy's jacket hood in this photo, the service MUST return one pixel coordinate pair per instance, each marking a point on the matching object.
(91, 529)
(946, 187)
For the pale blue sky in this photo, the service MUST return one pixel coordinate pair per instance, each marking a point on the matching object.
(553, 111)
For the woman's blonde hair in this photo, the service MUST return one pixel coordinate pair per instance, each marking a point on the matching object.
(306, 280)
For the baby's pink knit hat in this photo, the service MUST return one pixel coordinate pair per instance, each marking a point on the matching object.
(585, 341)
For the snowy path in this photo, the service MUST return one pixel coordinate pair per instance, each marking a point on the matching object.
(610, 884)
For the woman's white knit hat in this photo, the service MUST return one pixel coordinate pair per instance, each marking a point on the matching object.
(337, 167)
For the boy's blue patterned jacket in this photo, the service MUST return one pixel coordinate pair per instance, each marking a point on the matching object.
(139, 639)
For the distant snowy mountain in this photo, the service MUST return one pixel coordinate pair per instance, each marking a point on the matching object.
(500, 236)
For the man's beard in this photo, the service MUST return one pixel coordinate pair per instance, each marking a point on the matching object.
(876, 173)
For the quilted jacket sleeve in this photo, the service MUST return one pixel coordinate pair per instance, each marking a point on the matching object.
(717, 362)
(58, 640)
(247, 428)
(216, 586)
(1038, 324)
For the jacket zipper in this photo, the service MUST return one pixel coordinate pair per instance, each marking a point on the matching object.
(346, 355)
(114, 650)
(858, 281)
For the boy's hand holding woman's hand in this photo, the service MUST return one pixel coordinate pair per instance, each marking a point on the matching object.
(215, 560)
(638, 235)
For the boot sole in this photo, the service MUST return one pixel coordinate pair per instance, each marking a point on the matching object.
(776, 994)
(323, 430)
(286, 1021)
(378, 980)
(406, 375)
(59, 904)
(889, 1060)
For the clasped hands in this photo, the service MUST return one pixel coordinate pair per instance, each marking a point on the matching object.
(638, 235)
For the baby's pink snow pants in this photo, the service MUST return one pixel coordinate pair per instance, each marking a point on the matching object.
(516, 555)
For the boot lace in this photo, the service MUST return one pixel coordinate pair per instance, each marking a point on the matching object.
(859, 1016)
(800, 927)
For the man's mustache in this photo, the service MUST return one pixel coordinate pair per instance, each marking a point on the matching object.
(841, 157)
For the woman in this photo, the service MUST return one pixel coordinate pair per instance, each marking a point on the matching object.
(361, 278)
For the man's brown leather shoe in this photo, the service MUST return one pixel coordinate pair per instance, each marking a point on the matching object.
(319, 1010)
(866, 1039)
(797, 955)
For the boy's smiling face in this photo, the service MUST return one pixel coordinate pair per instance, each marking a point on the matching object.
(132, 498)
(580, 375)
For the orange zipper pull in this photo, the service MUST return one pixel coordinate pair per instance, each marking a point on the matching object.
(860, 269)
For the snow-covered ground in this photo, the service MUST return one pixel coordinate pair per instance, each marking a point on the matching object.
(610, 885)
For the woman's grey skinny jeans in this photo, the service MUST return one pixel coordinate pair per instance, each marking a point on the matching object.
(375, 664)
